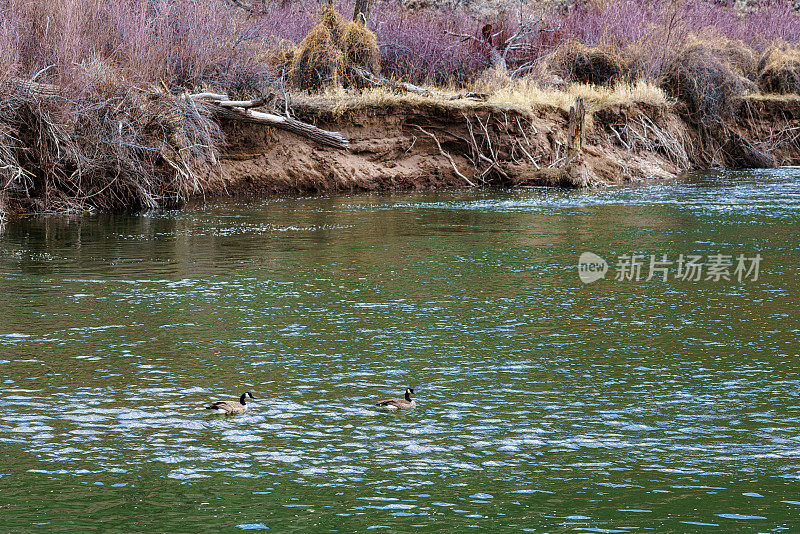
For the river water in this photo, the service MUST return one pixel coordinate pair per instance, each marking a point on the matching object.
(544, 404)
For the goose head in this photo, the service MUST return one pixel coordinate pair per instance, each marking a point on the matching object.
(409, 392)
(246, 395)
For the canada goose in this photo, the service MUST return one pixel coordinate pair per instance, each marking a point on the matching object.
(399, 404)
(231, 407)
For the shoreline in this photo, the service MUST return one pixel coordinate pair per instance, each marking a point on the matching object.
(392, 147)
(146, 106)
(410, 142)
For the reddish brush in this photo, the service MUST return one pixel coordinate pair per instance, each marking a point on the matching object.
(181, 42)
(211, 42)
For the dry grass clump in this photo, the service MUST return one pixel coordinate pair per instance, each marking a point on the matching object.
(318, 61)
(739, 56)
(707, 84)
(323, 58)
(526, 92)
(779, 70)
(736, 55)
(360, 47)
(711, 85)
(522, 94)
(576, 62)
(116, 150)
(640, 92)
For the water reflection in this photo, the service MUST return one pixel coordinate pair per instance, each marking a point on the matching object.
(543, 404)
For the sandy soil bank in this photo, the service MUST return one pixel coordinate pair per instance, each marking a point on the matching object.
(394, 146)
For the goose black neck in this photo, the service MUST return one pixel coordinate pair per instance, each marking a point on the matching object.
(243, 399)
(408, 395)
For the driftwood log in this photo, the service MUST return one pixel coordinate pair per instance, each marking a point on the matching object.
(30, 87)
(241, 110)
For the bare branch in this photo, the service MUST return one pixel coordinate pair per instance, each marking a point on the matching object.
(445, 154)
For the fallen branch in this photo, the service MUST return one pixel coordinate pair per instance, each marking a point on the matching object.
(240, 110)
(222, 100)
(209, 96)
(303, 129)
(31, 87)
(245, 103)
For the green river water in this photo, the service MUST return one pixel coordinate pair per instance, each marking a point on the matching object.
(544, 404)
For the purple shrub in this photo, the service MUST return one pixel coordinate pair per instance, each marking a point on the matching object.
(649, 33)
(209, 42)
(619, 22)
(292, 20)
(417, 45)
(182, 42)
(630, 21)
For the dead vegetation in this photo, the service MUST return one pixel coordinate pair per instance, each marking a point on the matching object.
(643, 133)
(779, 70)
(125, 150)
(326, 56)
(707, 86)
(578, 63)
(499, 146)
(710, 86)
(112, 144)
(511, 147)
(707, 74)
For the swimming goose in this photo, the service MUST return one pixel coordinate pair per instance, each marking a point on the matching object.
(231, 407)
(399, 404)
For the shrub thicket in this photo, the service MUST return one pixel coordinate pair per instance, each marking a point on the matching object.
(122, 149)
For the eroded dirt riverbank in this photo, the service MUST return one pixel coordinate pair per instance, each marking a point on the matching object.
(424, 145)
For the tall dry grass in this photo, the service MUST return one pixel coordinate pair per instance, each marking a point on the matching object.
(325, 56)
(184, 43)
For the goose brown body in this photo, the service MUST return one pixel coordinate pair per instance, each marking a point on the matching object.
(231, 407)
(405, 403)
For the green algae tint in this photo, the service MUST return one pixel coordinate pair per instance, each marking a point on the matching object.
(544, 404)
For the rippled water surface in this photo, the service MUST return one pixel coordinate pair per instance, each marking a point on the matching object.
(544, 404)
